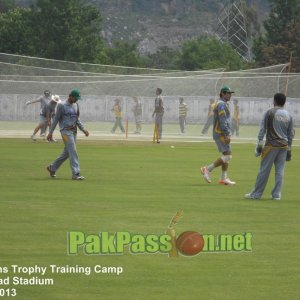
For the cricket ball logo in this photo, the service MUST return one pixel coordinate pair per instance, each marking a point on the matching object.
(188, 243)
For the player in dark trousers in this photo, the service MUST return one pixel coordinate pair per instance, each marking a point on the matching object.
(67, 114)
(158, 112)
(221, 135)
(277, 125)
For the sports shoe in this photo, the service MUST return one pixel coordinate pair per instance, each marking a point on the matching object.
(52, 173)
(226, 181)
(33, 137)
(249, 196)
(275, 198)
(77, 177)
(206, 174)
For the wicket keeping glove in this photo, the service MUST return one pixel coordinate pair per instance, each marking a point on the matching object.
(289, 155)
(258, 149)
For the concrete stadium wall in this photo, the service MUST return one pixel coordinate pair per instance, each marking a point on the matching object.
(98, 108)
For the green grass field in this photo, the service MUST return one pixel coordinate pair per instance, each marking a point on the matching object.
(246, 131)
(138, 187)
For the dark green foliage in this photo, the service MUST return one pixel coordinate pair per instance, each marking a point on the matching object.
(69, 30)
(208, 53)
(164, 58)
(58, 29)
(16, 32)
(282, 37)
(124, 54)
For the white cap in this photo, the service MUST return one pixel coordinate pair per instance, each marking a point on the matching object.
(55, 98)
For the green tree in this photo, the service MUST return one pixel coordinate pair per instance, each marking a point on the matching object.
(281, 36)
(124, 54)
(208, 53)
(164, 58)
(57, 29)
(16, 31)
(67, 29)
(283, 14)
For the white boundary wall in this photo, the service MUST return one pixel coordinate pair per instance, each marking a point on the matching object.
(98, 108)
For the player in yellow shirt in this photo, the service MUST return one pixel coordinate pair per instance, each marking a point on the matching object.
(182, 114)
(235, 120)
(117, 110)
(210, 116)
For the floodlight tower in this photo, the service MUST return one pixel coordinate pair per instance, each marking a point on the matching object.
(232, 28)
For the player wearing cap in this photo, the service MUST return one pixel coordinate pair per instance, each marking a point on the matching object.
(46, 115)
(277, 125)
(43, 100)
(67, 114)
(221, 136)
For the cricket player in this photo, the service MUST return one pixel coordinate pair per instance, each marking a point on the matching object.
(67, 114)
(158, 112)
(221, 135)
(235, 120)
(210, 116)
(182, 114)
(117, 110)
(277, 125)
(43, 100)
(137, 111)
(46, 115)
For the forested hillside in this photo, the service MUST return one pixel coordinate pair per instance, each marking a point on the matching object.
(158, 23)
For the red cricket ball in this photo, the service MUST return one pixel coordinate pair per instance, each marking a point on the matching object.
(190, 243)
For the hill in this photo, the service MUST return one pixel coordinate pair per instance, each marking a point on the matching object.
(157, 23)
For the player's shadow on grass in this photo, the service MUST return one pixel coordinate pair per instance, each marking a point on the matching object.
(210, 185)
(52, 179)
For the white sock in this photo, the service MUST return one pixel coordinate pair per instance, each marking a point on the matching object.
(224, 175)
(210, 167)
